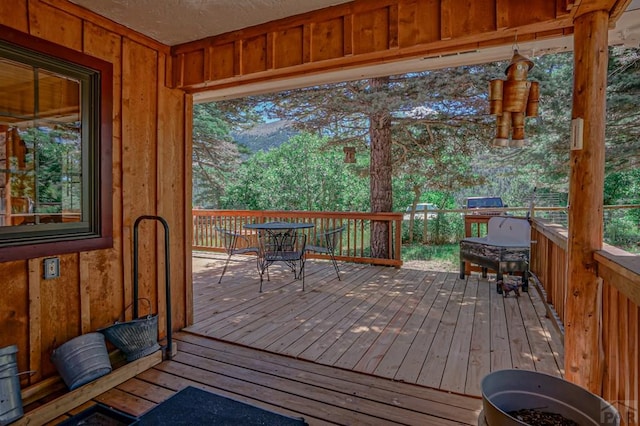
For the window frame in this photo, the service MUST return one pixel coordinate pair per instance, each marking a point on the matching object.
(53, 240)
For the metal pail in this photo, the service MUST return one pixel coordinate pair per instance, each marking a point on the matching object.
(10, 397)
(82, 359)
(508, 391)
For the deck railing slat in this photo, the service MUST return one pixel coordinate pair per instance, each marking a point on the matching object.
(353, 247)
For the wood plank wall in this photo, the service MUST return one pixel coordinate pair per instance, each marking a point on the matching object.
(360, 33)
(151, 176)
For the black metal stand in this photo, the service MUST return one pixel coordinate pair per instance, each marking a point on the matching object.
(498, 258)
(167, 272)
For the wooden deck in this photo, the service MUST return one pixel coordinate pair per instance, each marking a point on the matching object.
(420, 327)
(322, 395)
(383, 346)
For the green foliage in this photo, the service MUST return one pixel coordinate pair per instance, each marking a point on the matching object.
(447, 228)
(437, 120)
(622, 187)
(216, 156)
(622, 231)
(54, 182)
(544, 163)
(623, 116)
(301, 174)
(441, 134)
(622, 227)
(449, 253)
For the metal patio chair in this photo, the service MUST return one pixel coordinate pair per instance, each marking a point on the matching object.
(286, 246)
(326, 243)
(234, 243)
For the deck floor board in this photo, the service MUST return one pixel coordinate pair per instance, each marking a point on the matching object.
(423, 327)
(322, 395)
(381, 346)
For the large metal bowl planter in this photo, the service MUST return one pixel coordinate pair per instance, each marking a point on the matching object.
(507, 391)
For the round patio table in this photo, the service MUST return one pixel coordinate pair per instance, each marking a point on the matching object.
(279, 226)
(280, 242)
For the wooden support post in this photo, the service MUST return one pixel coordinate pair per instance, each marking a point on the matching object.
(583, 359)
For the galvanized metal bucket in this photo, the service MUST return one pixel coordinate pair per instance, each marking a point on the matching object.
(10, 397)
(507, 391)
(136, 338)
(82, 359)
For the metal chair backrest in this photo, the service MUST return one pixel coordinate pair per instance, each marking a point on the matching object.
(277, 245)
(233, 242)
(333, 236)
(327, 241)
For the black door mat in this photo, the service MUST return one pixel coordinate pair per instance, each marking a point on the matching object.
(100, 415)
(193, 406)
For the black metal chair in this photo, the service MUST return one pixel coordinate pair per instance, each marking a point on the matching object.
(234, 243)
(326, 243)
(285, 246)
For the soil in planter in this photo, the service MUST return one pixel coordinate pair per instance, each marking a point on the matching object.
(541, 418)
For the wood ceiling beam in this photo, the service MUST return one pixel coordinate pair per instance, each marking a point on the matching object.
(363, 33)
(613, 7)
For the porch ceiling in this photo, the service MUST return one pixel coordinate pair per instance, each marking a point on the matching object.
(178, 21)
(175, 22)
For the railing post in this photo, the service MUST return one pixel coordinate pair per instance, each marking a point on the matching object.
(398, 234)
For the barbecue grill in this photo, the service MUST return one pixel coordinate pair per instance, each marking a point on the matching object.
(505, 249)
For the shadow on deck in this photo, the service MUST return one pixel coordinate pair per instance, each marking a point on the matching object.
(421, 327)
(382, 346)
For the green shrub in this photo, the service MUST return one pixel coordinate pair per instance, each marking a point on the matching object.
(623, 232)
(445, 253)
(447, 228)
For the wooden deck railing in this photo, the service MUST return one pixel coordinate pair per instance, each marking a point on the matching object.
(353, 247)
(549, 262)
(620, 274)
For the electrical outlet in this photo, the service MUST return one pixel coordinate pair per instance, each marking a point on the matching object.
(51, 268)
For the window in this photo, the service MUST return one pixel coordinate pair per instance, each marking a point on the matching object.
(55, 144)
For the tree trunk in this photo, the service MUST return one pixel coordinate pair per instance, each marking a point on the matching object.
(417, 192)
(380, 171)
